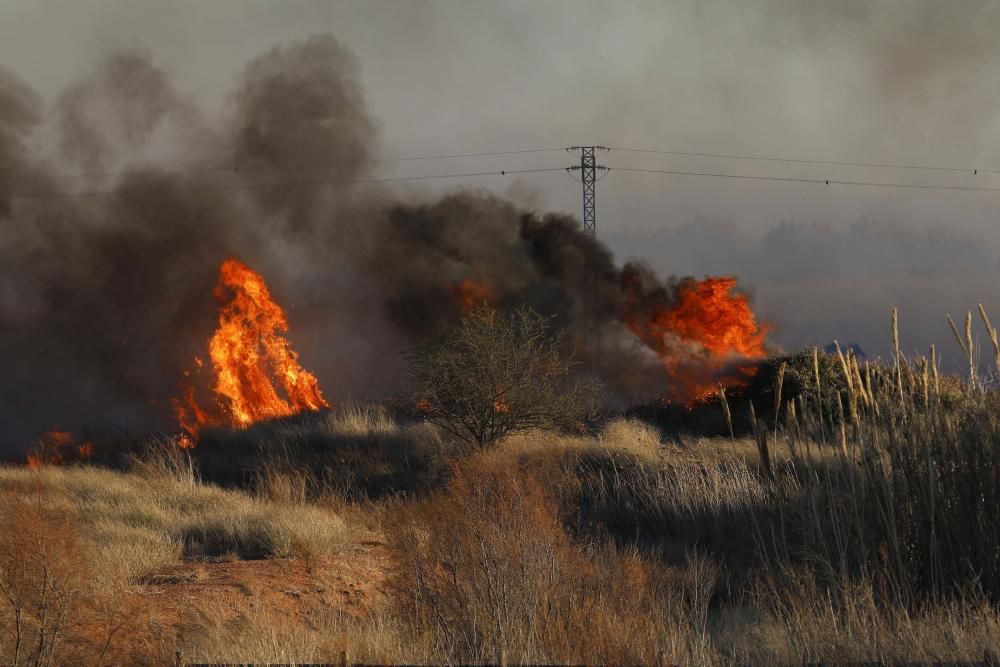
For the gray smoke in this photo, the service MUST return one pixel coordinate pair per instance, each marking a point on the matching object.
(116, 213)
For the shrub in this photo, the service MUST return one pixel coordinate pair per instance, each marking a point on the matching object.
(799, 379)
(492, 375)
(55, 609)
(489, 571)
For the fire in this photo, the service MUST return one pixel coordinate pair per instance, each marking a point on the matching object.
(470, 294)
(708, 312)
(55, 447)
(702, 335)
(256, 372)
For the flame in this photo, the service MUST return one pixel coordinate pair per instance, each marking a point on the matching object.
(185, 441)
(471, 294)
(189, 414)
(55, 447)
(702, 335)
(256, 372)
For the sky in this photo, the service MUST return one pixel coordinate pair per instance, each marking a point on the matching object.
(909, 82)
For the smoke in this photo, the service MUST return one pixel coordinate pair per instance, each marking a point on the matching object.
(916, 51)
(117, 209)
(301, 129)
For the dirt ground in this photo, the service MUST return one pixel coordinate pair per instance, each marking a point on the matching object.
(192, 598)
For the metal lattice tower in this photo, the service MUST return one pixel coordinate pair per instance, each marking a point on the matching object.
(588, 169)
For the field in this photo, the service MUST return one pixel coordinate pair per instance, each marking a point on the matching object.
(857, 522)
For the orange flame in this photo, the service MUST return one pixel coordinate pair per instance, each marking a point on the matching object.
(470, 294)
(257, 374)
(701, 334)
(55, 447)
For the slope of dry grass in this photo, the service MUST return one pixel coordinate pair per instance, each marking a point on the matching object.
(853, 539)
(136, 524)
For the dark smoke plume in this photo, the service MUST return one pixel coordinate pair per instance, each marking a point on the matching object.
(117, 209)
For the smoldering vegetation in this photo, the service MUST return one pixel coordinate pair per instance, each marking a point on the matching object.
(120, 199)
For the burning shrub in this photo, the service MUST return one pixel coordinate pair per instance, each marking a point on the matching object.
(491, 375)
(703, 331)
(257, 373)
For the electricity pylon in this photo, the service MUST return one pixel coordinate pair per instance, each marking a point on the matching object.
(588, 169)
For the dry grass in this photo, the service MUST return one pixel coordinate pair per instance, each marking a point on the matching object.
(81, 544)
(136, 525)
(266, 637)
(56, 607)
(354, 420)
(489, 570)
(804, 621)
(490, 566)
(513, 555)
(630, 438)
(914, 500)
(260, 636)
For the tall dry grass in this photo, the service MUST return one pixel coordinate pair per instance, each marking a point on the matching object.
(914, 500)
(806, 621)
(708, 562)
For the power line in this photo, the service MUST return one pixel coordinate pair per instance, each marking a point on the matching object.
(506, 172)
(202, 167)
(502, 172)
(882, 165)
(209, 168)
(459, 155)
(821, 181)
(294, 182)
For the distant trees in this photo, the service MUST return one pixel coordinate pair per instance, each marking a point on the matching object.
(492, 374)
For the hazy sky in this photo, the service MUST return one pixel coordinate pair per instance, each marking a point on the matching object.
(903, 82)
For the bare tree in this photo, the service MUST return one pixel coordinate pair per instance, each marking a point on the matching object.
(493, 374)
